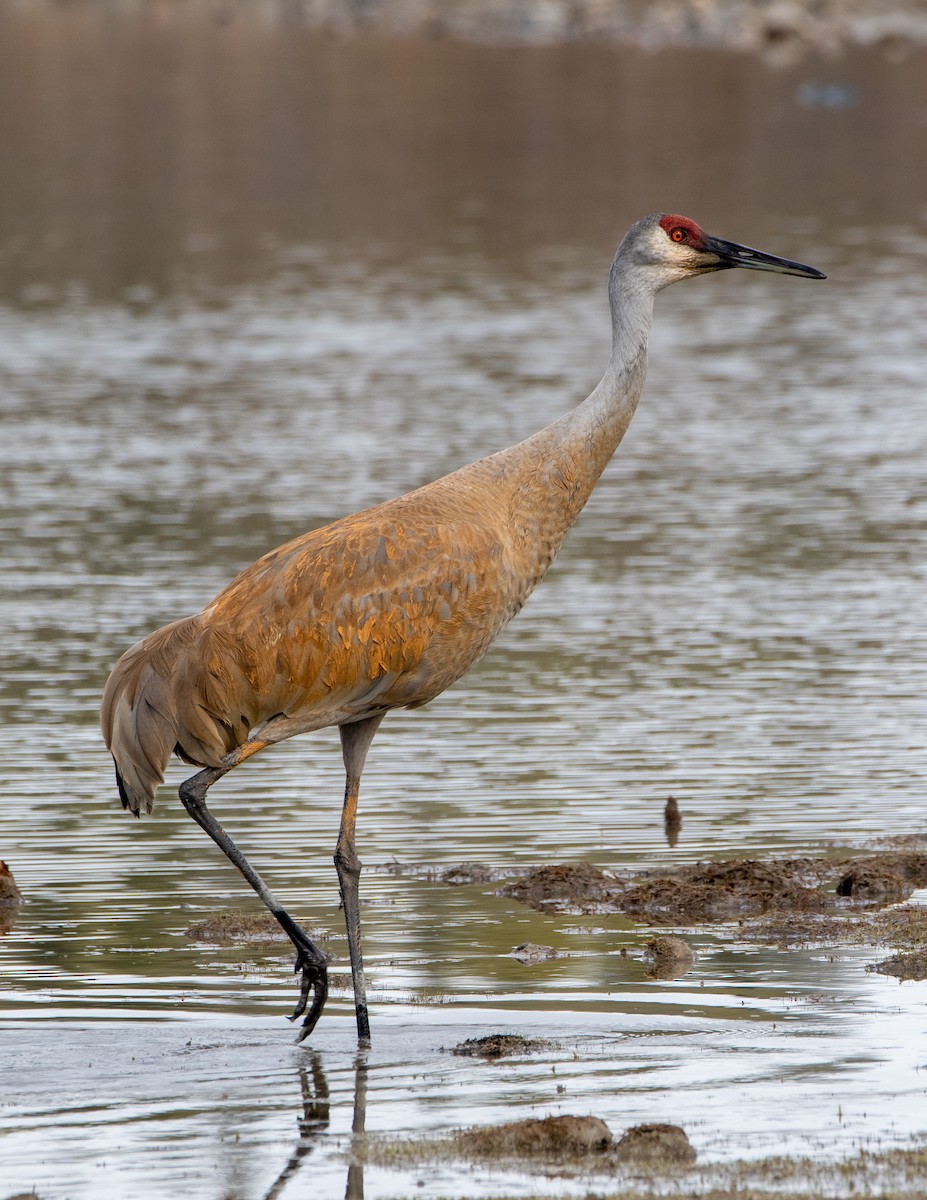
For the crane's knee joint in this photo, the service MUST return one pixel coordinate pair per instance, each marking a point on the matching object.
(347, 862)
(190, 795)
(193, 791)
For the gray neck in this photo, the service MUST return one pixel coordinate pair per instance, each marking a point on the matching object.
(630, 296)
(552, 474)
(614, 401)
(599, 423)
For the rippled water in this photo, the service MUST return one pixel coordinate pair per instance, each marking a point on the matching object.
(736, 619)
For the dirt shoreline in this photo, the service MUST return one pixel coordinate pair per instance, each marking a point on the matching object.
(781, 30)
(745, 25)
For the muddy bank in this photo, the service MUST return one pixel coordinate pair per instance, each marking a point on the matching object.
(558, 1142)
(904, 966)
(843, 899)
(559, 1139)
(904, 926)
(707, 892)
(783, 902)
(624, 1167)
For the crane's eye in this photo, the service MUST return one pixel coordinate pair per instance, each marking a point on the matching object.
(679, 234)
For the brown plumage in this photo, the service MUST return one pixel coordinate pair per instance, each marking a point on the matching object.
(382, 609)
(388, 607)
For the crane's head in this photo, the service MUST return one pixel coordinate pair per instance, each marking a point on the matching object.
(675, 247)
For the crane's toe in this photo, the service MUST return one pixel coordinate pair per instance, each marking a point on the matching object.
(311, 965)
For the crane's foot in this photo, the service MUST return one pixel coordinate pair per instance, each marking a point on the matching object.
(311, 965)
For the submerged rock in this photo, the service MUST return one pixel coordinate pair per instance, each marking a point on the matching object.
(657, 1147)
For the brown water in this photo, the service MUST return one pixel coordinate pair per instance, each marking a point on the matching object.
(253, 278)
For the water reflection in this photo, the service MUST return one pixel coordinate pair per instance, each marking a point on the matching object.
(146, 151)
(672, 821)
(231, 1110)
(354, 1189)
(313, 1122)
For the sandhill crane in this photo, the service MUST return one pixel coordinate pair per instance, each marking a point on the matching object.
(388, 607)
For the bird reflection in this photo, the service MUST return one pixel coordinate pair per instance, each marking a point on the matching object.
(354, 1189)
(313, 1124)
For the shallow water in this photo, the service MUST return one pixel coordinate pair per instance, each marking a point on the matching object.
(318, 280)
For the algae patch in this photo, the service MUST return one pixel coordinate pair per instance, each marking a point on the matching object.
(231, 927)
(500, 1045)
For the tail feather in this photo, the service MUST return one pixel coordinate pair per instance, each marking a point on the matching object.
(138, 731)
(160, 699)
(123, 794)
(137, 715)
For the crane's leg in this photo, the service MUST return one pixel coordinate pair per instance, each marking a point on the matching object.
(355, 742)
(310, 961)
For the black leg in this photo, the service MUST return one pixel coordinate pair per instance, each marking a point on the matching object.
(310, 961)
(355, 742)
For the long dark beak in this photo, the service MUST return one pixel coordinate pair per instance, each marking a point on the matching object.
(731, 255)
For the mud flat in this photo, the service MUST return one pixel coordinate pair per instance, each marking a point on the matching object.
(842, 899)
(732, 889)
(660, 1156)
